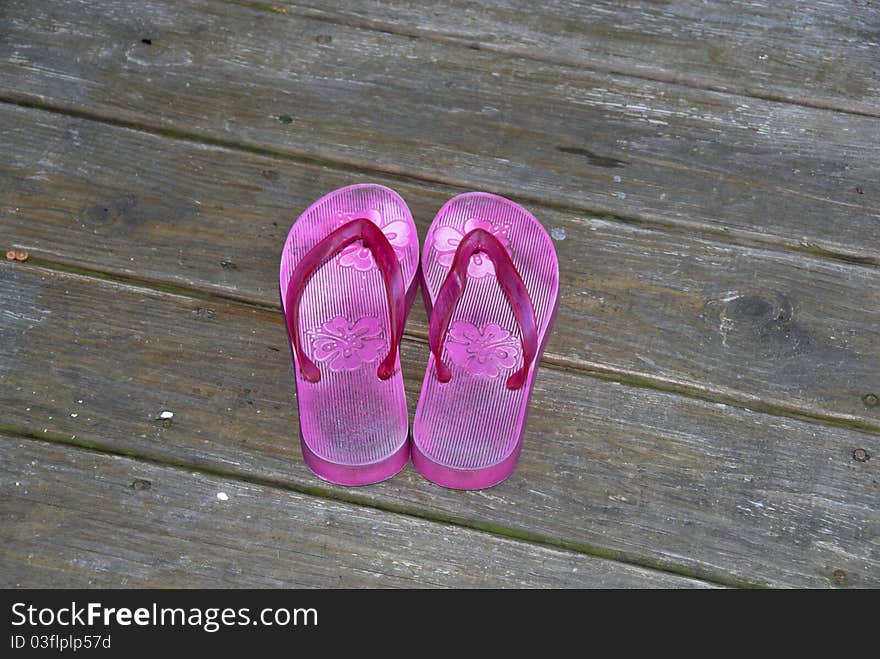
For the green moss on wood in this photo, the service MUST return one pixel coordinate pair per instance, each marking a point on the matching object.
(17, 433)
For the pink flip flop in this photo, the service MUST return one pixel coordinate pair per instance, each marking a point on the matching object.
(347, 283)
(491, 285)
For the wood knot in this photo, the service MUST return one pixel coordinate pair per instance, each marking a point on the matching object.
(112, 212)
(757, 310)
(761, 324)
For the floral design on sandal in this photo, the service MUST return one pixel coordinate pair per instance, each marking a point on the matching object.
(346, 346)
(448, 238)
(483, 353)
(360, 258)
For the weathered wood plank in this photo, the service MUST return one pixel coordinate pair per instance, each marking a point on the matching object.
(74, 518)
(819, 54)
(649, 151)
(651, 477)
(766, 328)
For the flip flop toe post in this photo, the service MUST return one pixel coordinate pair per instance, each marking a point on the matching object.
(348, 277)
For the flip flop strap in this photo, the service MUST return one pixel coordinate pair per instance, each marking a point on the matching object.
(514, 290)
(383, 253)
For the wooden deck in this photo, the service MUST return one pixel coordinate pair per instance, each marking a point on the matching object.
(706, 413)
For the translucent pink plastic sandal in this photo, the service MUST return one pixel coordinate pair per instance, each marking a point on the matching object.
(491, 285)
(348, 278)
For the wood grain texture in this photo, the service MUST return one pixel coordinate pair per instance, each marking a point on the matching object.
(794, 332)
(653, 478)
(74, 518)
(648, 151)
(819, 54)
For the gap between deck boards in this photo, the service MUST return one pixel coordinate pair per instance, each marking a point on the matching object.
(180, 530)
(594, 370)
(597, 66)
(12, 433)
(728, 235)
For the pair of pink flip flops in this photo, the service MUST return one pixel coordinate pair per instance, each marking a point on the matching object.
(349, 273)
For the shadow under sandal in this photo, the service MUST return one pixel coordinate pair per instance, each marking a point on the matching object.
(491, 285)
(348, 278)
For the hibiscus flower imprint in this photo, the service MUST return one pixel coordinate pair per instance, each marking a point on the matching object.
(360, 258)
(483, 352)
(447, 239)
(345, 346)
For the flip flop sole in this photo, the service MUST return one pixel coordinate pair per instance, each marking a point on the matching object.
(353, 426)
(468, 432)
